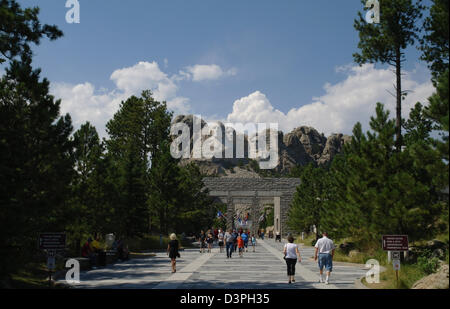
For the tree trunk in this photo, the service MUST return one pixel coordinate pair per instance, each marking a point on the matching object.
(78, 246)
(398, 123)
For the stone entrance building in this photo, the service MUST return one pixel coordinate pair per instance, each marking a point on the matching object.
(252, 195)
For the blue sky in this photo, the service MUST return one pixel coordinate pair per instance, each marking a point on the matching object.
(276, 55)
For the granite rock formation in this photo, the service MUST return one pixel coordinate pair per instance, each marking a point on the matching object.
(302, 146)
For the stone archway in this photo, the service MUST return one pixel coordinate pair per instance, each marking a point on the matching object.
(252, 192)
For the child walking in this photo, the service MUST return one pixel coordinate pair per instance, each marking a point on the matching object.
(240, 243)
(253, 240)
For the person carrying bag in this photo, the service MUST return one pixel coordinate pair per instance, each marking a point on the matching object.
(291, 252)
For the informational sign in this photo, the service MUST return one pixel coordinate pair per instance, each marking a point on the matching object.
(395, 255)
(51, 262)
(396, 264)
(52, 241)
(395, 242)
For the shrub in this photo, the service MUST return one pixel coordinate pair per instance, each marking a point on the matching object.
(428, 265)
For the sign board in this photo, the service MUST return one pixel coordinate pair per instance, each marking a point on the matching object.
(395, 242)
(396, 255)
(51, 262)
(396, 264)
(52, 241)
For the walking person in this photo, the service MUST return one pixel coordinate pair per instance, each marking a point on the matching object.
(172, 251)
(229, 241)
(240, 243)
(278, 236)
(290, 255)
(202, 240)
(244, 237)
(235, 236)
(220, 237)
(325, 253)
(253, 240)
(210, 241)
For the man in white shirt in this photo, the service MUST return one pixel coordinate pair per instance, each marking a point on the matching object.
(325, 253)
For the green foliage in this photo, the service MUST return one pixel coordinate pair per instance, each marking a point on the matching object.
(417, 127)
(270, 217)
(438, 112)
(434, 43)
(376, 190)
(36, 166)
(254, 165)
(83, 213)
(396, 31)
(428, 265)
(128, 149)
(385, 42)
(21, 27)
(307, 207)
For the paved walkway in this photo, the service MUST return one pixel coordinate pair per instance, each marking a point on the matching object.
(264, 268)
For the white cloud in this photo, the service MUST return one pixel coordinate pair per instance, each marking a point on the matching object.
(145, 75)
(201, 72)
(85, 103)
(343, 104)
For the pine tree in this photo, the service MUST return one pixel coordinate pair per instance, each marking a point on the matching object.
(434, 43)
(307, 208)
(36, 162)
(376, 190)
(82, 217)
(128, 150)
(19, 28)
(385, 42)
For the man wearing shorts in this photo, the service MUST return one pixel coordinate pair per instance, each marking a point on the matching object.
(325, 253)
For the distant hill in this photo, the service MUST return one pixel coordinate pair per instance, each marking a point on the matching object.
(301, 146)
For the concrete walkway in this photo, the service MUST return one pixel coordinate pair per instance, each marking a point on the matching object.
(264, 268)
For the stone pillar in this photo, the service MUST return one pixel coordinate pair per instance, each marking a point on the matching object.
(230, 211)
(277, 214)
(284, 205)
(255, 207)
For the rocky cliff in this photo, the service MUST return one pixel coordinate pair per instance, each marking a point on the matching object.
(302, 146)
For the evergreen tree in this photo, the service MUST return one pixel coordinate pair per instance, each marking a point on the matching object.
(19, 28)
(165, 178)
(307, 208)
(385, 42)
(438, 112)
(36, 162)
(82, 217)
(434, 43)
(133, 135)
(195, 208)
(377, 190)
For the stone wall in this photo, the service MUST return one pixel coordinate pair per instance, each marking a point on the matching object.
(254, 191)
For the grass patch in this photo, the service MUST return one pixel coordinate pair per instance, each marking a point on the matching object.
(33, 276)
(409, 272)
(307, 241)
(408, 275)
